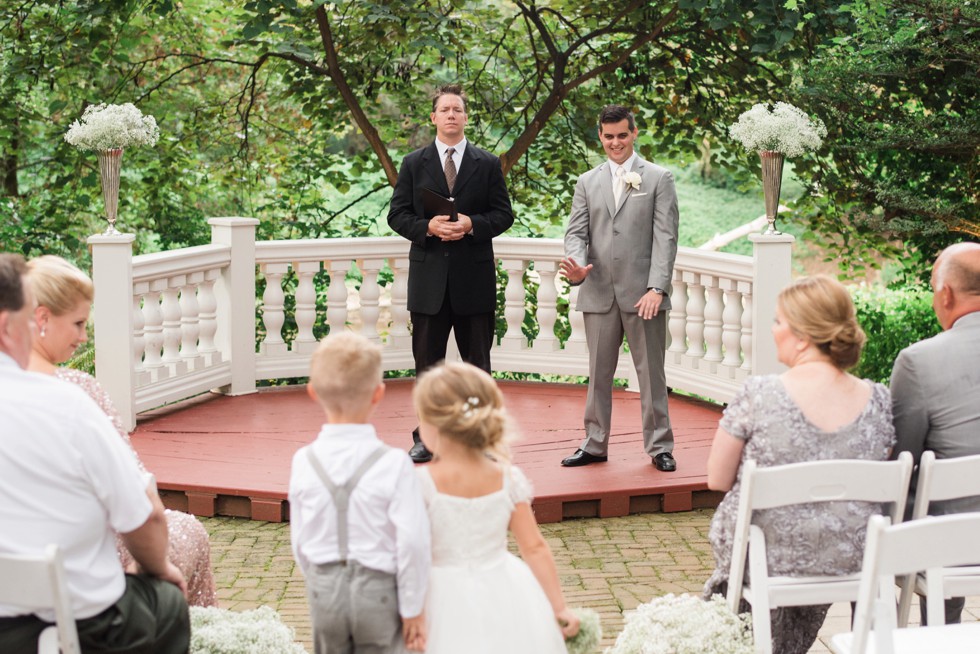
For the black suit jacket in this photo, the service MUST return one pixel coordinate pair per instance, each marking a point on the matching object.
(466, 269)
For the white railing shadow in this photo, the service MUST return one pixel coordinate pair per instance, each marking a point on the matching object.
(171, 325)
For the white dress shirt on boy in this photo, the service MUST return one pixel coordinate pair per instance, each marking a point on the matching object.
(388, 523)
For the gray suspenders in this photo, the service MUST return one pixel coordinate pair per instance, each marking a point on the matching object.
(341, 493)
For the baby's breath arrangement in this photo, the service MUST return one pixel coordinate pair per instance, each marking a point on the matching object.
(259, 631)
(589, 633)
(684, 624)
(111, 127)
(785, 129)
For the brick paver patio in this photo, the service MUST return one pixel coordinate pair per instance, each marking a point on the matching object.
(610, 565)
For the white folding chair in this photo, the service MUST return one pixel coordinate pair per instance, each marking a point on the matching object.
(931, 544)
(803, 483)
(38, 582)
(942, 479)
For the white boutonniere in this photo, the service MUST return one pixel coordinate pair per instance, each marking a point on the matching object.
(632, 180)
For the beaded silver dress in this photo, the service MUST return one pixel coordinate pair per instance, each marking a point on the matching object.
(190, 549)
(808, 539)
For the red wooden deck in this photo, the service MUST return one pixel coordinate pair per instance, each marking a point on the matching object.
(218, 455)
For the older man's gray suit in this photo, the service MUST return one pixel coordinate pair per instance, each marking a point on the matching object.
(631, 248)
(935, 390)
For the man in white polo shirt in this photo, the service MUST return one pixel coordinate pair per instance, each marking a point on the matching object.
(67, 478)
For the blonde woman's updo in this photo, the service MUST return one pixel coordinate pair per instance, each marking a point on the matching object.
(820, 309)
(465, 405)
(58, 285)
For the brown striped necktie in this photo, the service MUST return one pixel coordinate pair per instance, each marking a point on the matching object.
(450, 169)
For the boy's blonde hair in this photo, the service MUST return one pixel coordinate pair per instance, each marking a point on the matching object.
(344, 371)
(465, 405)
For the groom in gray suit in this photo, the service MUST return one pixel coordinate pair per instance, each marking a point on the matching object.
(935, 383)
(620, 245)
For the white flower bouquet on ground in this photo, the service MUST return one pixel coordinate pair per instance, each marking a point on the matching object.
(785, 129)
(259, 631)
(684, 624)
(112, 127)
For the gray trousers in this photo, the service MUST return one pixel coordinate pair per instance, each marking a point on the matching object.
(354, 610)
(647, 340)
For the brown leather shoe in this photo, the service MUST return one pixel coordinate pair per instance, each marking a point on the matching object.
(582, 458)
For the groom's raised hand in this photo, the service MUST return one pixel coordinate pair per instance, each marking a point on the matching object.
(573, 272)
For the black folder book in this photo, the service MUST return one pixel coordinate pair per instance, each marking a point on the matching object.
(436, 205)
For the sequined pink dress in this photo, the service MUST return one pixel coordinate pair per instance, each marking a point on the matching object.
(190, 549)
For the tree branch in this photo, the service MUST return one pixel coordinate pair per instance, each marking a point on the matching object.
(340, 82)
(560, 89)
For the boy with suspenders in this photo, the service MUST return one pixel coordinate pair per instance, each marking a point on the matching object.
(359, 528)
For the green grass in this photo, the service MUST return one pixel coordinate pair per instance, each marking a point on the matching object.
(707, 210)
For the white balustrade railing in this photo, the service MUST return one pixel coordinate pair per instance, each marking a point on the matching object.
(186, 319)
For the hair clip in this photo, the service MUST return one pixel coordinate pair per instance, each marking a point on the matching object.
(468, 406)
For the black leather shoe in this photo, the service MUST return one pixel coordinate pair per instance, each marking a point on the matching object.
(665, 462)
(582, 458)
(420, 453)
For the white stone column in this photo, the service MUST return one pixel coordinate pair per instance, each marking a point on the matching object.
(235, 296)
(772, 271)
(115, 361)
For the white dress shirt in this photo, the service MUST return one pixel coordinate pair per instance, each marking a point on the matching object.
(626, 166)
(66, 478)
(388, 523)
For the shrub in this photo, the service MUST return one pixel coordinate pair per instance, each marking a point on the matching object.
(892, 320)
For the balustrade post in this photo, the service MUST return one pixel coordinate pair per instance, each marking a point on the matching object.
(713, 311)
(731, 324)
(305, 342)
(370, 295)
(677, 318)
(235, 301)
(772, 271)
(115, 361)
(514, 295)
(547, 342)
(273, 309)
(399, 338)
(695, 317)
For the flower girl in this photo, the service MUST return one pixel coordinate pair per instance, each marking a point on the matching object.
(482, 599)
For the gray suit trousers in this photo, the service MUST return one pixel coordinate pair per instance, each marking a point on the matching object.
(647, 340)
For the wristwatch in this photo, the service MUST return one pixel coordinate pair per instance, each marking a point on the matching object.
(658, 291)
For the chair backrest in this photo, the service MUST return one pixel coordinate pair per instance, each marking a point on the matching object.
(940, 479)
(832, 480)
(903, 549)
(945, 479)
(38, 582)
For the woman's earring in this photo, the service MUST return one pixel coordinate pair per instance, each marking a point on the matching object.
(42, 331)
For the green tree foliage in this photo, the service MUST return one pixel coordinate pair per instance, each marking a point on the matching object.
(901, 96)
(298, 112)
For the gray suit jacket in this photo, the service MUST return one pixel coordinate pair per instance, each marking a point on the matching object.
(935, 389)
(632, 247)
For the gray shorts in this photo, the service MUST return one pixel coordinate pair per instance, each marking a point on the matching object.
(354, 610)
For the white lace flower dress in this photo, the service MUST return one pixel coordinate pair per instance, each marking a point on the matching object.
(482, 599)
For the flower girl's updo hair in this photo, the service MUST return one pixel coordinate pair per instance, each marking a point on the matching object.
(820, 309)
(465, 405)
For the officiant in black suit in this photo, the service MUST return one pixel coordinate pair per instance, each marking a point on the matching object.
(452, 271)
